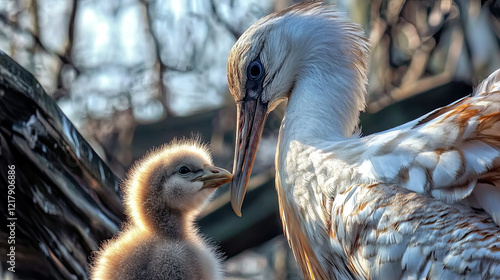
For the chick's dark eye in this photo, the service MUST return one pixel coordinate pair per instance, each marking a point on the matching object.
(183, 170)
(255, 70)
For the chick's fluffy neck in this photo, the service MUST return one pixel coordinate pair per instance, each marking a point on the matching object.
(170, 223)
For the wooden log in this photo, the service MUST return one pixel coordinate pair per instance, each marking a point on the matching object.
(64, 199)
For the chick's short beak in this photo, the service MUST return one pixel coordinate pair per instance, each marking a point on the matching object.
(214, 177)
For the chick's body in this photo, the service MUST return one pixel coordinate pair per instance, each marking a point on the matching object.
(142, 255)
(163, 194)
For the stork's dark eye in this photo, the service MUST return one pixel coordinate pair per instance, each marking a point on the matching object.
(183, 170)
(255, 70)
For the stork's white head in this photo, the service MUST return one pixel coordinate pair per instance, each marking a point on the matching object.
(178, 177)
(306, 41)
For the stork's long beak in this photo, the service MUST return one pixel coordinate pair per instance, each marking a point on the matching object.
(214, 177)
(252, 114)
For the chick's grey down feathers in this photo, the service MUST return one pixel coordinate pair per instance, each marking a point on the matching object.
(164, 192)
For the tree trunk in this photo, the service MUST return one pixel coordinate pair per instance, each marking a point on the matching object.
(59, 198)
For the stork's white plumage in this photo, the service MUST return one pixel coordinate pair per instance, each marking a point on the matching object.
(417, 201)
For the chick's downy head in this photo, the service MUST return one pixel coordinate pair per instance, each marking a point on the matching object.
(177, 177)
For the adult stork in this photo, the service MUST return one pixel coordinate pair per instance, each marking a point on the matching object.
(417, 201)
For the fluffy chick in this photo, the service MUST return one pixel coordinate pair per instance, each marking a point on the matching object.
(164, 192)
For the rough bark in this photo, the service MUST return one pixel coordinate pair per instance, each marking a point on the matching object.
(66, 199)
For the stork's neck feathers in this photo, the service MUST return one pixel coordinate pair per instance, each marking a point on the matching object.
(330, 77)
(323, 106)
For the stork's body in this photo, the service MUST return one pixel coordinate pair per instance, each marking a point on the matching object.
(346, 221)
(387, 206)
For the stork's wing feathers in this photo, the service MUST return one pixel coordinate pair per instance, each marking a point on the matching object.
(375, 217)
(489, 85)
(450, 153)
(403, 235)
